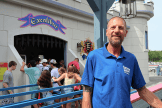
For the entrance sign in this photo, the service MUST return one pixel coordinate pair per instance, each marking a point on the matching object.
(42, 19)
(3, 68)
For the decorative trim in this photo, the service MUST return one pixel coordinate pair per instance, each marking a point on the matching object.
(68, 7)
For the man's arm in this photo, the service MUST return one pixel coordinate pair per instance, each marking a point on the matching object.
(149, 97)
(5, 85)
(22, 67)
(87, 97)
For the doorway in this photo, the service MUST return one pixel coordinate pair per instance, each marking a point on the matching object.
(33, 45)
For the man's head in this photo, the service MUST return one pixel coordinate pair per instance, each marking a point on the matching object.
(44, 62)
(38, 60)
(12, 65)
(76, 59)
(53, 63)
(32, 63)
(49, 60)
(116, 31)
(61, 62)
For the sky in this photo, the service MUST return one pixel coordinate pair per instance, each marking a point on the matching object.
(155, 27)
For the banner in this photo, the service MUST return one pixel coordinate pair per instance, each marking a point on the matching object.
(42, 19)
(3, 68)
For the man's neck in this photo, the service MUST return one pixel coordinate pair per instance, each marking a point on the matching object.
(114, 50)
(10, 69)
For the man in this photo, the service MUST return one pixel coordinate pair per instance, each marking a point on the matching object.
(110, 71)
(45, 65)
(54, 73)
(75, 63)
(49, 60)
(33, 72)
(61, 64)
(8, 82)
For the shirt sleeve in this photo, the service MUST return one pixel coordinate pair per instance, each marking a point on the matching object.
(137, 80)
(88, 75)
(6, 78)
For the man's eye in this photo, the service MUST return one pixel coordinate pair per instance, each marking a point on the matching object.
(113, 27)
(121, 28)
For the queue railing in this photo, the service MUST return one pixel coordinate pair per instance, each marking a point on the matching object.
(36, 101)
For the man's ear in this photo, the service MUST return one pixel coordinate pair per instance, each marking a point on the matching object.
(106, 32)
(126, 33)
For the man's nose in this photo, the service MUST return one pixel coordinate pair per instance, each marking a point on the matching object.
(116, 30)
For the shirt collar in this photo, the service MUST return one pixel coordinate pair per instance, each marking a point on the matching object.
(107, 54)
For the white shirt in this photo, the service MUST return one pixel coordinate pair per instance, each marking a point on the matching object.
(45, 68)
(39, 66)
(55, 73)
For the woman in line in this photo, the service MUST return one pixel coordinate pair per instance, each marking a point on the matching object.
(77, 88)
(69, 77)
(44, 81)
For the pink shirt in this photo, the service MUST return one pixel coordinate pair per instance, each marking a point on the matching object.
(75, 63)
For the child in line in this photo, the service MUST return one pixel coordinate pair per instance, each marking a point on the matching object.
(69, 77)
(44, 81)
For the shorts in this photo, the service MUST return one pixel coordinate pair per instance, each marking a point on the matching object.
(7, 101)
(67, 90)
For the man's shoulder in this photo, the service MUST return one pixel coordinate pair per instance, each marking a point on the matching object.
(95, 53)
(54, 70)
(7, 73)
(31, 69)
(130, 55)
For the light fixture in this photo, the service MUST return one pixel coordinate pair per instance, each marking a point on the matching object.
(128, 8)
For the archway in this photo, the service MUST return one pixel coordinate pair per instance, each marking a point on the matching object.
(33, 45)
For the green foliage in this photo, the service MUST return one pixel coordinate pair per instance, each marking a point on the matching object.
(155, 56)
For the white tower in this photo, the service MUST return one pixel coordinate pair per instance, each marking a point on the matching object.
(136, 41)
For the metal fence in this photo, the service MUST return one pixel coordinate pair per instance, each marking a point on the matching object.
(36, 101)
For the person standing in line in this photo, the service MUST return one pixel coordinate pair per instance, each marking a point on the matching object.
(49, 60)
(54, 73)
(76, 63)
(8, 81)
(69, 77)
(110, 71)
(61, 64)
(33, 73)
(45, 65)
(48, 64)
(44, 81)
(61, 71)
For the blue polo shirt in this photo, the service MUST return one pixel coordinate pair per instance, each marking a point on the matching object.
(111, 78)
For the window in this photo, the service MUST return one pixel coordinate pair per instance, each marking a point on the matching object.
(146, 39)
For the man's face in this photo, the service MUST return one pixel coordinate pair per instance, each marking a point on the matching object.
(44, 63)
(51, 64)
(116, 31)
(14, 67)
